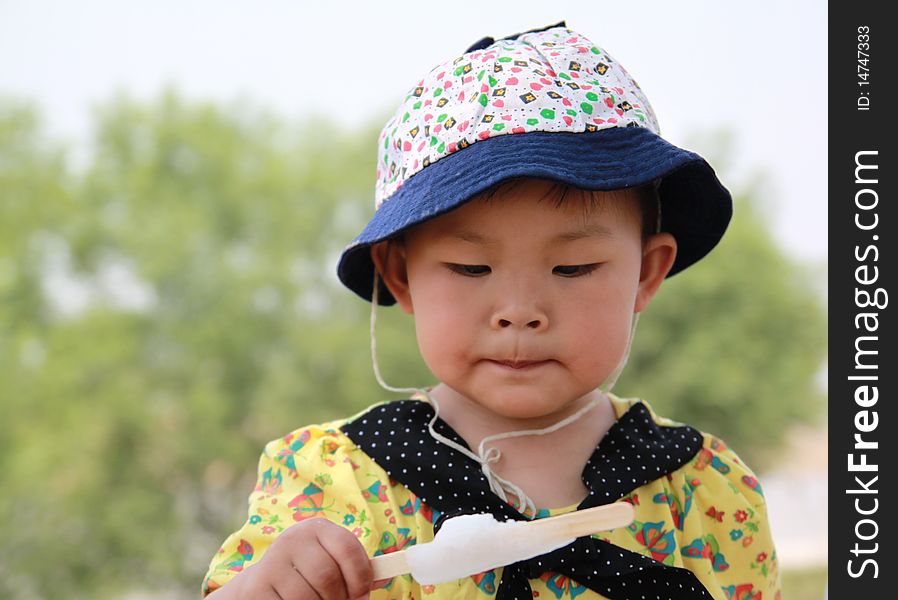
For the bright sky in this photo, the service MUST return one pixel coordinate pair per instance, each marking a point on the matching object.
(756, 68)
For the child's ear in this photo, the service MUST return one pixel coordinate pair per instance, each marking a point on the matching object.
(390, 261)
(658, 254)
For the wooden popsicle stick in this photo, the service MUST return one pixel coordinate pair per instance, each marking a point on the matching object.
(571, 525)
(584, 522)
(387, 566)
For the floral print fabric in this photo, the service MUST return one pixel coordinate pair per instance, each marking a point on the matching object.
(707, 516)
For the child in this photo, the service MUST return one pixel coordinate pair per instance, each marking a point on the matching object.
(527, 211)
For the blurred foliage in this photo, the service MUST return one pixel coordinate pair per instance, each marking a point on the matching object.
(205, 240)
(732, 346)
(805, 584)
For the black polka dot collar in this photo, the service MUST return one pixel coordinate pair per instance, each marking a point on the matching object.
(633, 452)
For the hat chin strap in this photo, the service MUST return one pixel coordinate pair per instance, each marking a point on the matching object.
(489, 456)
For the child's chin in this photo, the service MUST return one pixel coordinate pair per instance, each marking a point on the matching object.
(522, 405)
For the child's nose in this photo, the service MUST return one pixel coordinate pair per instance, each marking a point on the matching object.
(520, 316)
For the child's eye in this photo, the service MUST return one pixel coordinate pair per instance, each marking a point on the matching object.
(469, 270)
(576, 270)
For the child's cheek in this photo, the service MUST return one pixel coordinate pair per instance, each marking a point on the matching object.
(596, 338)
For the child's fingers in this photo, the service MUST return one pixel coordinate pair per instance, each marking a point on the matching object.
(350, 555)
(321, 572)
(290, 584)
(269, 594)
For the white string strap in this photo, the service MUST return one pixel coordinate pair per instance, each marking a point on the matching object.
(612, 379)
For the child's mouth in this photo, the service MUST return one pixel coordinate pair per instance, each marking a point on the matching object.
(523, 365)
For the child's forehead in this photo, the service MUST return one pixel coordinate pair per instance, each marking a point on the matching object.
(544, 211)
(549, 204)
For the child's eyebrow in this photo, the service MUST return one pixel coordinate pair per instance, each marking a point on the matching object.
(590, 230)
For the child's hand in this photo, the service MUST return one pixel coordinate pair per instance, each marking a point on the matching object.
(314, 559)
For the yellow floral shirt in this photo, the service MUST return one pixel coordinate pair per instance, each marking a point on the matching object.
(707, 516)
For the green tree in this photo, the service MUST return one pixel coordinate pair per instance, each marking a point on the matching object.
(134, 428)
(733, 344)
(131, 427)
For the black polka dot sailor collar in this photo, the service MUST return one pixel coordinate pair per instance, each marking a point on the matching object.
(634, 452)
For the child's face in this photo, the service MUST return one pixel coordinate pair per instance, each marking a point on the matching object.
(520, 279)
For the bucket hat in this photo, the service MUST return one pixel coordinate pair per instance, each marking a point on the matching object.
(546, 103)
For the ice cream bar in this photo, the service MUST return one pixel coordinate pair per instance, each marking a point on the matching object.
(471, 544)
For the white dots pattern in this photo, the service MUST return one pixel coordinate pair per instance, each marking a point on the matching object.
(443, 474)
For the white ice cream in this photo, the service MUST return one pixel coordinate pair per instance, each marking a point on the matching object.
(471, 544)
